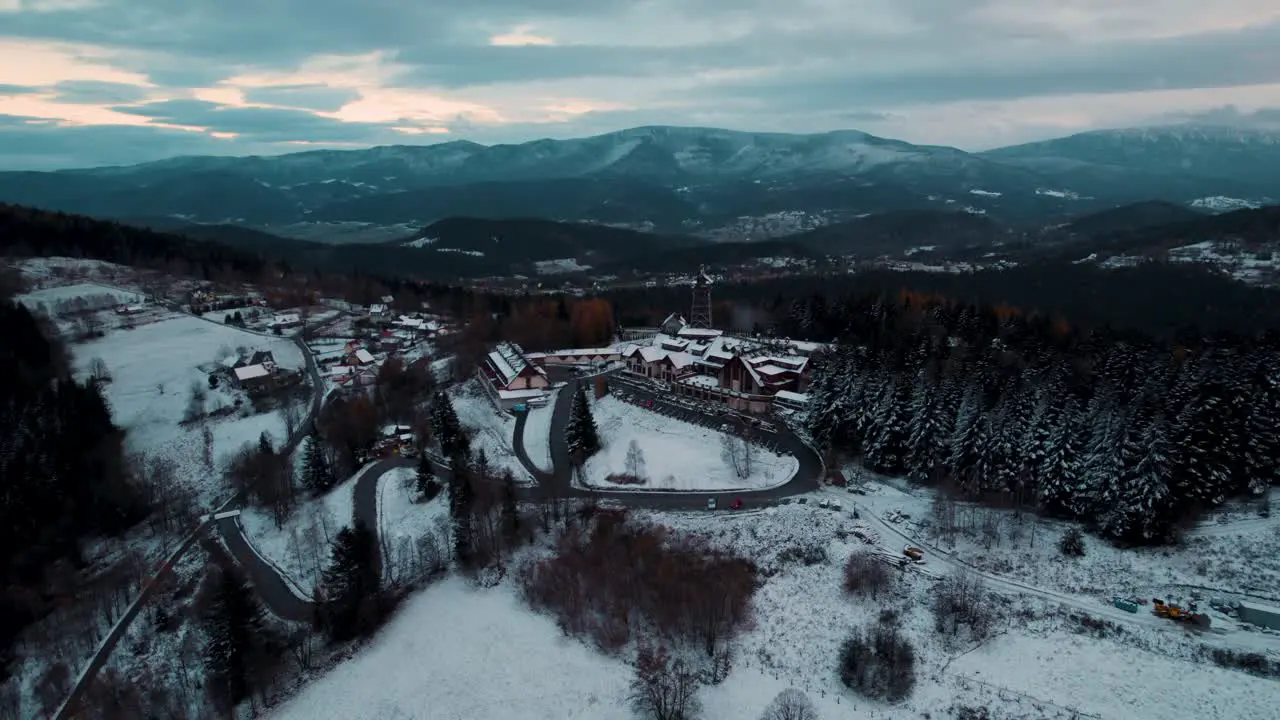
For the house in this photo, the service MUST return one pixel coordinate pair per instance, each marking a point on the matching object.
(388, 343)
(506, 368)
(672, 325)
(378, 309)
(358, 357)
(252, 378)
(263, 358)
(284, 321)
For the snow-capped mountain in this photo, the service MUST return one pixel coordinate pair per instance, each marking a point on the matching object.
(704, 181)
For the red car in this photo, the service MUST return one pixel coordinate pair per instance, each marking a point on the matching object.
(737, 504)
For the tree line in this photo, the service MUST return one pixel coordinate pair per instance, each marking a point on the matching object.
(1132, 436)
(62, 468)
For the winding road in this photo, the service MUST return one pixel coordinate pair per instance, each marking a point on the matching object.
(280, 597)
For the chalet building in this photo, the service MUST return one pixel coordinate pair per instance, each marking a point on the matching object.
(285, 321)
(252, 378)
(579, 356)
(507, 369)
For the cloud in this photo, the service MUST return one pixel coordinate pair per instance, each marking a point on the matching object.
(308, 97)
(1267, 118)
(91, 92)
(969, 73)
(260, 124)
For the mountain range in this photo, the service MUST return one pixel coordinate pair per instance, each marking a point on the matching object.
(711, 183)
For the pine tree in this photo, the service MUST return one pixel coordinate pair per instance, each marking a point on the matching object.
(1202, 478)
(461, 502)
(426, 483)
(454, 443)
(581, 436)
(1139, 508)
(510, 511)
(232, 624)
(1059, 473)
(350, 583)
(317, 475)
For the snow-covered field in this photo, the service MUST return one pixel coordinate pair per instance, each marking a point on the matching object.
(153, 368)
(300, 549)
(537, 433)
(403, 522)
(455, 652)
(50, 297)
(677, 455)
(492, 430)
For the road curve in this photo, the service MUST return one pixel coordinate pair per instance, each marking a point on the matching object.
(804, 480)
(280, 598)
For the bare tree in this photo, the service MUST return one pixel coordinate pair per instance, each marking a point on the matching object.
(195, 403)
(98, 370)
(790, 704)
(737, 453)
(962, 611)
(664, 688)
(292, 414)
(864, 574)
(635, 460)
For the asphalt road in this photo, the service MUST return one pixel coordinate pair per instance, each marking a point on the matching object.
(280, 598)
(780, 439)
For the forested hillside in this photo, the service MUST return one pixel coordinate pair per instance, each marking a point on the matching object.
(1131, 437)
(61, 470)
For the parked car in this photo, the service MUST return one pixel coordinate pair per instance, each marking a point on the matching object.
(835, 505)
(824, 503)
(711, 503)
(737, 504)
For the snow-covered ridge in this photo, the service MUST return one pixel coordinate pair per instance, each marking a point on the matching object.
(422, 242)
(1221, 203)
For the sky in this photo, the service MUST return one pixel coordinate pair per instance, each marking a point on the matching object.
(102, 82)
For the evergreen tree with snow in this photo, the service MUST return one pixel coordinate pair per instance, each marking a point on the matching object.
(1201, 476)
(317, 475)
(232, 625)
(510, 510)
(425, 482)
(351, 584)
(1262, 447)
(461, 503)
(580, 431)
(1139, 510)
(454, 443)
(1059, 466)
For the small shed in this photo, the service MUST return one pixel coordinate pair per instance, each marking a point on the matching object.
(1267, 616)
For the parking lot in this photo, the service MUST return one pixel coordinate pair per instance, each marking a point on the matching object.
(712, 415)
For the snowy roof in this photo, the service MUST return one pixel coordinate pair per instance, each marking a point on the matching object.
(377, 309)
(771, 370)
(680, 359)
(699, 333)
(702, 380)
(286, 319)
(792, 396)
(249, 372)
(675, 344)
(652, 354)
(507, 361)
(363, 356)
(520, 394)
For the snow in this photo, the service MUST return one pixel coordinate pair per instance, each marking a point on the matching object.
(1092, 674)
(985, 193)
(422, 242)
(1064, 194)
(426, 662)
(455, 652)
(473, 253)
(399, 517)
(96, 296)
(677, 455)
(300, 549)
(152, 368)
(491, 430)
(1221, 203)
(537, 433)
(559, 266)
